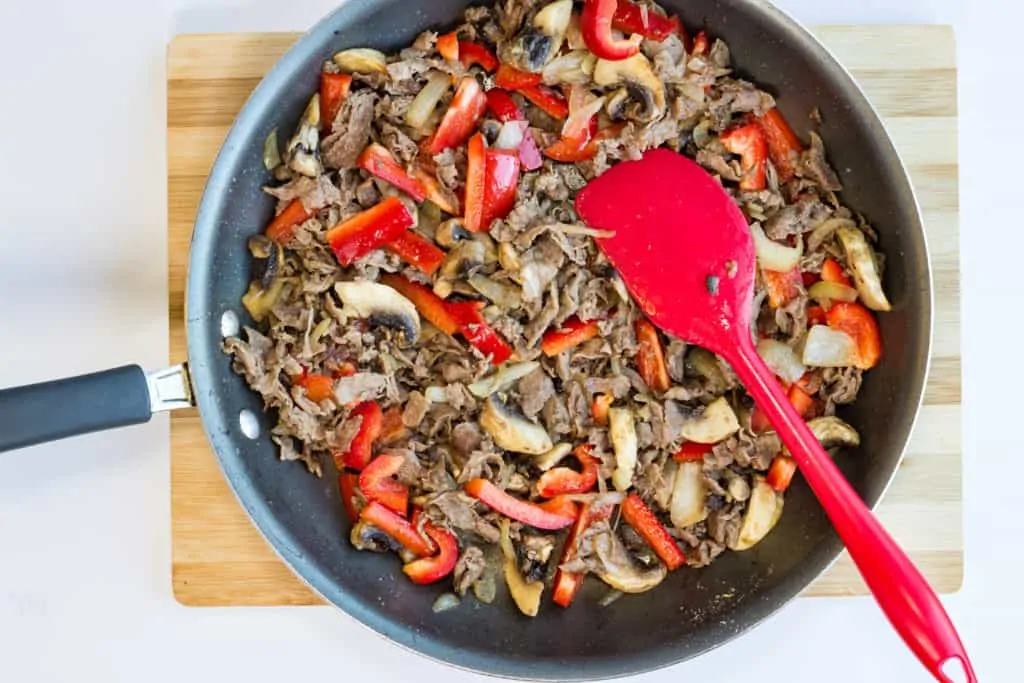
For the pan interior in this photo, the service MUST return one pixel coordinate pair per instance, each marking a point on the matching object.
(694, 610)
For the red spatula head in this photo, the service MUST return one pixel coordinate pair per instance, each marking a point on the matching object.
(681, 244)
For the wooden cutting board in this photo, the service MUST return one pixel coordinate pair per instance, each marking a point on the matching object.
(908, 72)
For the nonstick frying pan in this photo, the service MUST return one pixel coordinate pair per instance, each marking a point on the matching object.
(302, 517)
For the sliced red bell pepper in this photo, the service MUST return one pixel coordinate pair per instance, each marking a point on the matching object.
(361, 449)
(784, 146)
(430, 569)
(646, 523)
(501, 180)
(582, 146)
(514, 508)
(282, 228)
(417, 250)
(599, 408)
(559, 505)
(596, 26)
(701, 44)
(809, 278)
(504, 109)
(376, 483)
(333, 91)
(567, 584)
(551, 101)
(831, 271)
(368, 230)
(572, 332)
(478, 333)
(344, 369)
(781, 472)
(459, 122)
(476, 182)
(471, 53)
(430, 306)
(564, 480)
(510, 78)
(802, 402)
(782, 287)
(347, 482)
(816, 315)
(448, 46)
(692, 451)
(398, 528)
(759, 422)
(629, 17)
(858, 322)
(492, 177)
(748, 141)
(318, 387)
(377, 160)
(650, 357)
(442, 196)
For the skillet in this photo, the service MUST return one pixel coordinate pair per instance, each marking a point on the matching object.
(302, 517)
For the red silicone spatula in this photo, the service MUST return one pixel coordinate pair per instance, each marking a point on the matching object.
(685, 252)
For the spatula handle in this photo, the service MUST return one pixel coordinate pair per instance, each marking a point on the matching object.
(902, 592)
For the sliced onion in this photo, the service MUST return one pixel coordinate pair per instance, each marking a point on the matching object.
(774, 256)
(781, 359)
(502, 377)
(582, 107)
(271, 152)
(864, 265)
(576, 68)
(426, 100)
(435, 394)
(361, 60)
(827, 292)
(511, 135)
(529, 153)
(828, 348)
(823, 232)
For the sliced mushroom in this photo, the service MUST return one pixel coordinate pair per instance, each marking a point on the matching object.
(715, 423)
(575, 67)
(380, 305)
(511, 430)
(639, 79)
(368, 537)
(832, 431)
(537, 551)
(501, 378)
(467, 256)
(545, 461)
(688, 495)
(361, 60)
(267, 284)
(617, 104)
(622, 430)
(303, 151)
(864, 267)
(540, 40)
(617, 569)
(451, 232)
(508, 257)
(763, 511)
(526, 594)
(506, 297)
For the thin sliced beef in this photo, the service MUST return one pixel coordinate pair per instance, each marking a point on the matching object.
(534, 391)
(796, 219)
(351, 130)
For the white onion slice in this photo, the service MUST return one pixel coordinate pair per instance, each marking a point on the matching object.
(774, 256)
(511, 135)
(828, 348)
(426, 99)
(826, 293)
(782, 359)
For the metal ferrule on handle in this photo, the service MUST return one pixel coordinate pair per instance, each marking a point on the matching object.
(62, 408)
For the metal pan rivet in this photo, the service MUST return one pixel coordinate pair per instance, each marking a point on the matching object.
(249, 424)
(229, 324)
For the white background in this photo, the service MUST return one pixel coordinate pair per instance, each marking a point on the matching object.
(84, 525)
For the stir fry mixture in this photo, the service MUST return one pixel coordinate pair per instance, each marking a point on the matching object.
(432, 317)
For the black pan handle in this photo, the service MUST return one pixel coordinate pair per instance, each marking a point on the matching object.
(120, 397)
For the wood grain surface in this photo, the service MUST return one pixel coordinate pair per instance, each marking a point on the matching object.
(908, 72)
